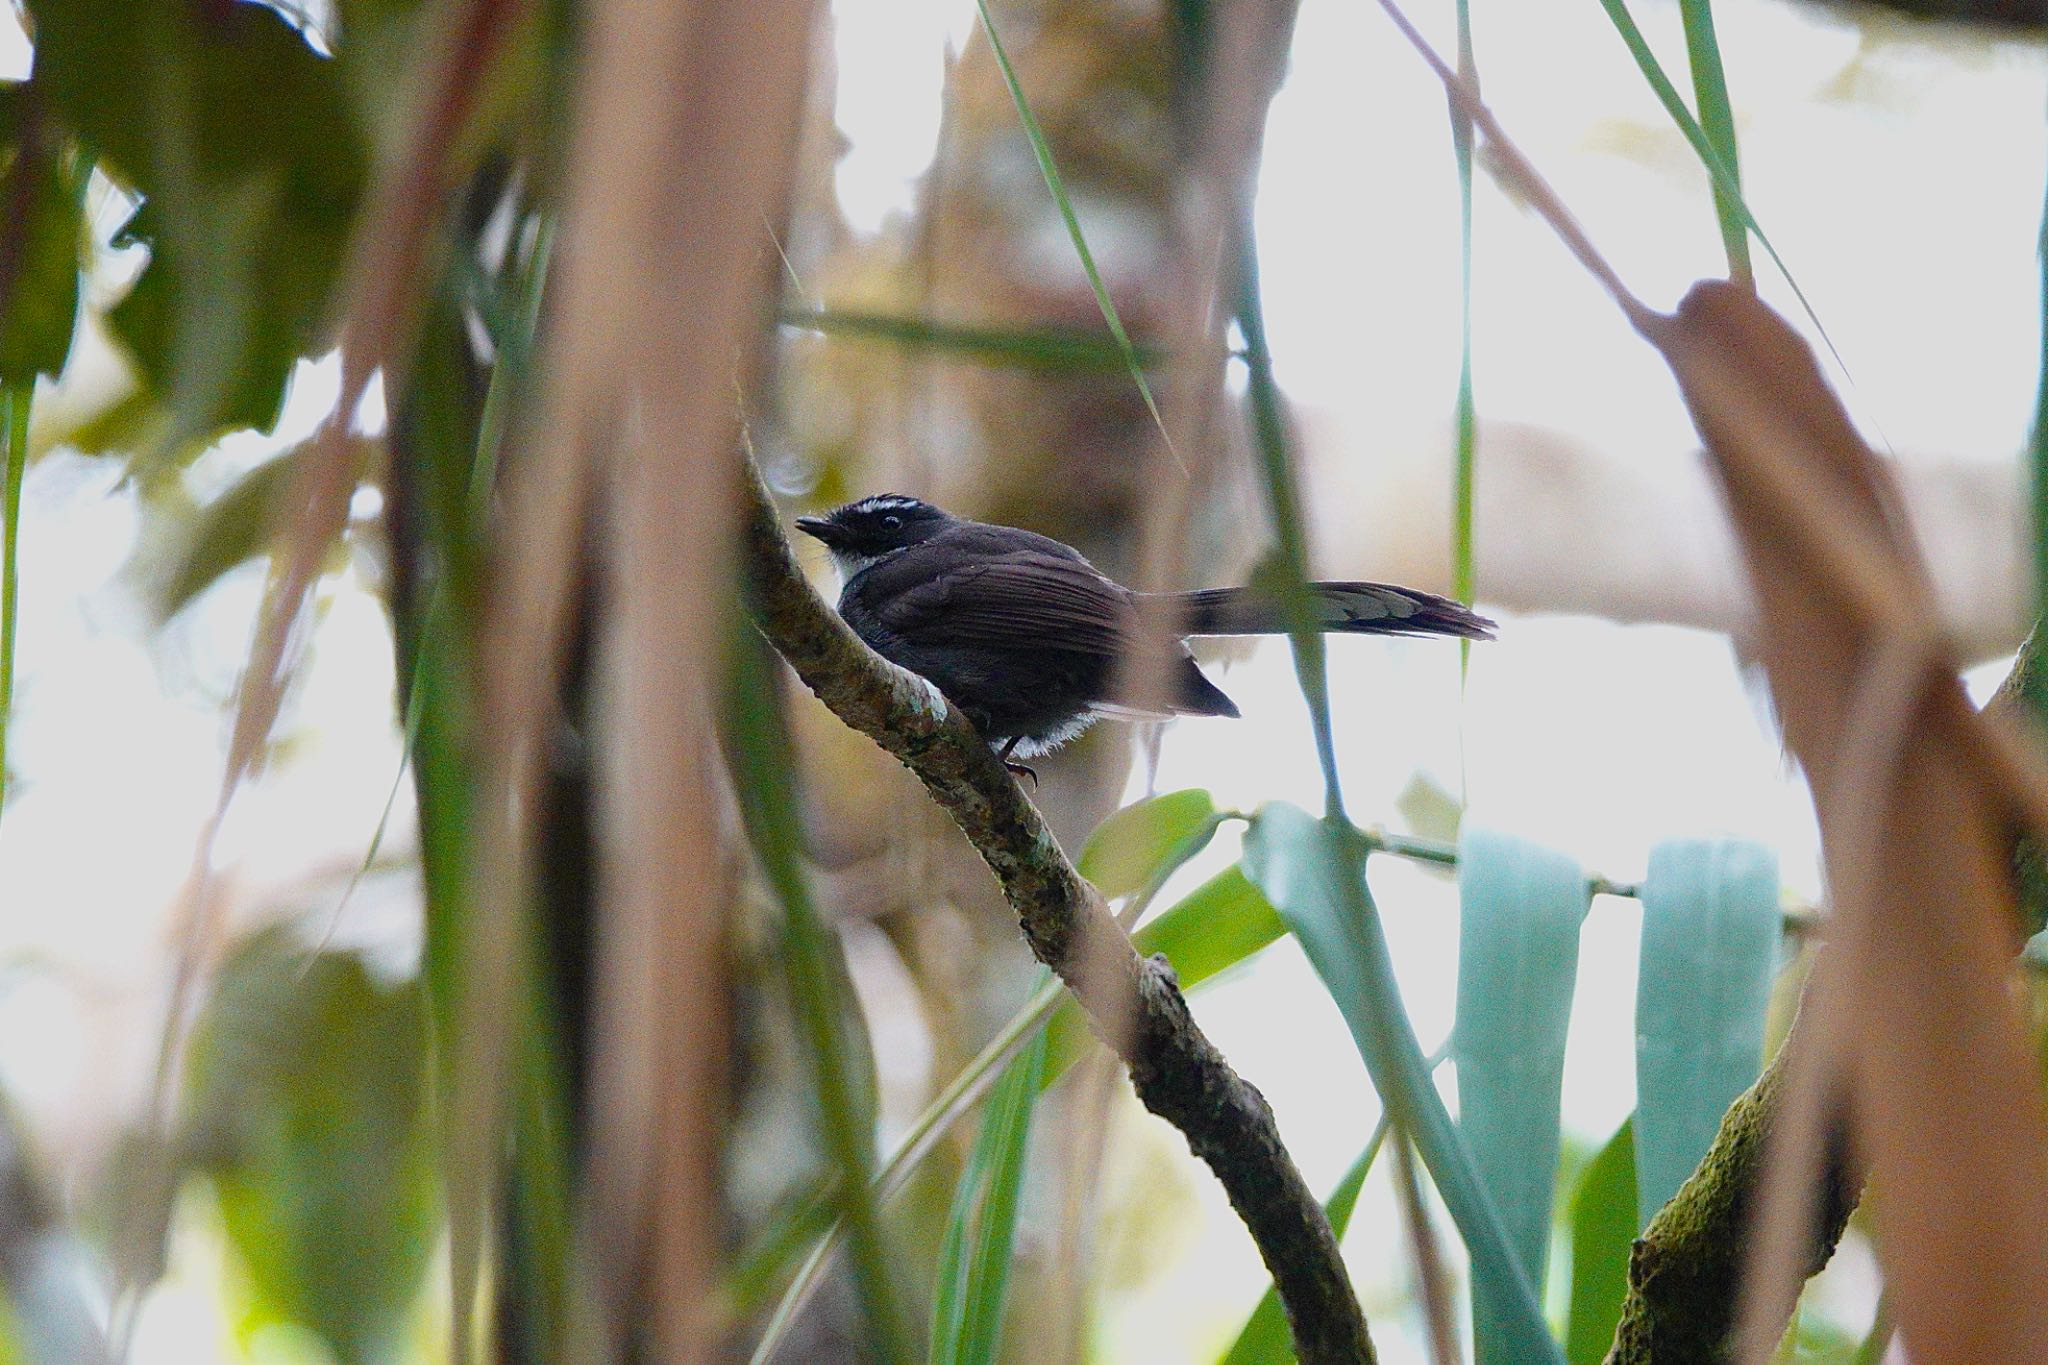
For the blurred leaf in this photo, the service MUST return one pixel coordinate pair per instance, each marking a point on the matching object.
(42, 226)
(305, 1104)
(764, 781)
(1313, 871)
(1521, 906)
(1265, 1339)
(1035, 348)
(1042, 150)
(1710, 941)
(974, 1259)
(1217, 925)
(238, 137)
(232, 529)
(1603, 1228)
(1127, 851)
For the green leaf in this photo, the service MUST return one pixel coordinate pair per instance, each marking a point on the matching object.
(1314, 873)
(974, 1259)
(1727, 190)
(1464, 485)
(1710, 941)
(1041, 149)
(239, 137)
(1127, 852)
(14, 413)
(1032, 348)
(1717, 120)
(306, 1105)
(1603, 1228)
(1265, 1339)
(1217, 925)
(42, 227)
(1521, 906)
(232, 529)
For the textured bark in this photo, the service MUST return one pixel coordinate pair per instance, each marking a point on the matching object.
(1685, 1270)
(1134, 1003)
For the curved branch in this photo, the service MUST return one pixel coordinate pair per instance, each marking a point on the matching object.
(1685, 1270)
(1133, 1003)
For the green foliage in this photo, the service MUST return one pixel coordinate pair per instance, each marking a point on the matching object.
(240, 140)
(306, 1108)
(1136, 844)
(1521, 906)
(42, 207)
(14, 406)
(1717, 120)
(974, 1259)
(1603, 1228)
(1313, 871)
(1048, 349)
(229, 531)
(1710, 938)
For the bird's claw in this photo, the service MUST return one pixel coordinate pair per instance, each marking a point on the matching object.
(1022, 770)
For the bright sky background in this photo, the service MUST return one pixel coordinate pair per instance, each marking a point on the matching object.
(1902, 180)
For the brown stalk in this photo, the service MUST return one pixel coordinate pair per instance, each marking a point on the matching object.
(684, 149)
(1945, 1096)
(1175, 1069)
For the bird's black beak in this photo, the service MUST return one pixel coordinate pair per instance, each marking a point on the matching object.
(818, 527)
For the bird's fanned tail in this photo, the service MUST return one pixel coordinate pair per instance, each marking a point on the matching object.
(1352, 608)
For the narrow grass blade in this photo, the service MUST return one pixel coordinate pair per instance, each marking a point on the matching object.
(1717, 120)
(1710, 940)
(1041, 149)
(974, 1259)
(14, 405)
(1464, 485)
(1521, 906)
(1285, 572)
(2038, 439)
(1314, 873)
(1128, 850)
(1727, 190)
(1603, 1228)
(768, 809)
(1031, 348)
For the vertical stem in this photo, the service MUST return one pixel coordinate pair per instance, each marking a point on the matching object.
(1717, 117)
(1464, 580)
(2038, 439)
(14, 402)
(1269, 428)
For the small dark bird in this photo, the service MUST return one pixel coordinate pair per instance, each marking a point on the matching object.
(1025, 636)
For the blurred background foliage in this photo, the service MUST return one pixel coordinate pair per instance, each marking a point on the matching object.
(184, 185)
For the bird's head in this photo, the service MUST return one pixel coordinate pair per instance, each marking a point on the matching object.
(862, 532)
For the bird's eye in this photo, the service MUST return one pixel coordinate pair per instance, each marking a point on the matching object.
(892, 522)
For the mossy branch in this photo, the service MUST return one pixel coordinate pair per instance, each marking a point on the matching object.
(1685, 1271)
(1133, 1003)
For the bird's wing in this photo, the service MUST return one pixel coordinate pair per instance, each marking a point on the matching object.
(1013, 600)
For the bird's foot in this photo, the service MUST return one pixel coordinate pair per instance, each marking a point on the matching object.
(1016, 769)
